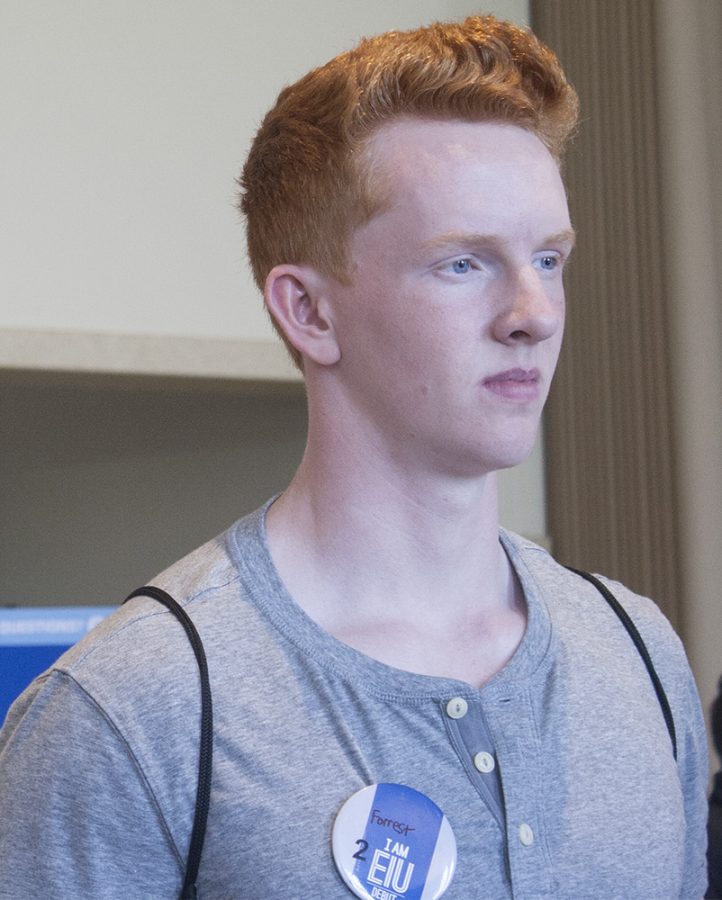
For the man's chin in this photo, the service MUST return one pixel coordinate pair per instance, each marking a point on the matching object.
(508, 454)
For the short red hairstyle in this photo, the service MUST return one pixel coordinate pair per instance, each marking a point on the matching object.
(306, 185)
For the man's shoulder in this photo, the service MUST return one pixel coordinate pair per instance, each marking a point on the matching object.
(565, 579)
(575, 602)
(590, 637)
(142, 641)
(217, 564)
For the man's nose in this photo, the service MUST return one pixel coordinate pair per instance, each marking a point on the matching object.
(532, 308)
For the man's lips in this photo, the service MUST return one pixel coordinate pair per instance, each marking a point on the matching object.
(515, 384)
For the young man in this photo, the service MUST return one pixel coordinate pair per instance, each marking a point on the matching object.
(407, 700)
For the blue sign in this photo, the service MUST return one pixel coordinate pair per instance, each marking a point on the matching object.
(32, 639)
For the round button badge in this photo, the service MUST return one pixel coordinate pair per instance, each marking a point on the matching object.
(391, 842)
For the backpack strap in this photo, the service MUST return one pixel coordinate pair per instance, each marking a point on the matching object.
(205, 759)
(641, 648)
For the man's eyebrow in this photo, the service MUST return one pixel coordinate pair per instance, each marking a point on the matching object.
(460, 239)
(567, 236)
(475, 239)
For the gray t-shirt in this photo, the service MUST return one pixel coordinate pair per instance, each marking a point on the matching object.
(558, 781)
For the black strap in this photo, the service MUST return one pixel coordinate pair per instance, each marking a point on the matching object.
(205, 759)
(641, 647)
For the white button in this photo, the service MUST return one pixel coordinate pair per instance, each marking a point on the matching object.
(457, 708)
(526, 835)
(484, 762)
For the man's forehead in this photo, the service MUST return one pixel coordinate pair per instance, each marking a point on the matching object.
(455, 139)
(410, 159)
(467, 184)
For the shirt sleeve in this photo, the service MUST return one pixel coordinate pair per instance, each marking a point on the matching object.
(77, 817)
(693, 764)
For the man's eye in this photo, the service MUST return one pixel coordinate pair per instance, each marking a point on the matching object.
(461, 266)
(548, 263)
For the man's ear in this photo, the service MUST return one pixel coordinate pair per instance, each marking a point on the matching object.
(297, 298)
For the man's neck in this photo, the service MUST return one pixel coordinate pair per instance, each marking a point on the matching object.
(409, 571)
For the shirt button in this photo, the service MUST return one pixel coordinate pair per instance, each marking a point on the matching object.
(457, 708)
(526, 835)
(484, 762)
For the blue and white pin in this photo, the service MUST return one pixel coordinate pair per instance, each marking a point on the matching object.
(391, 842)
